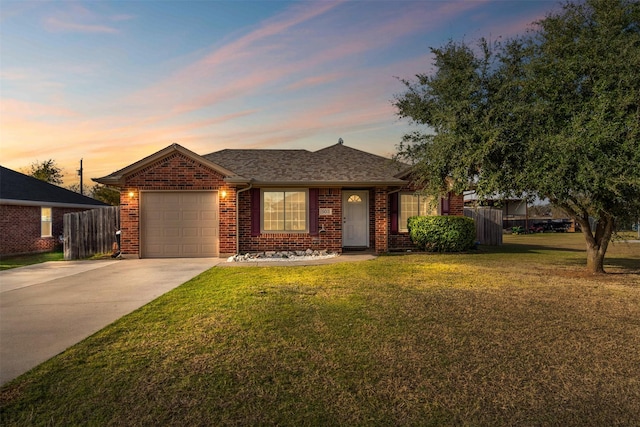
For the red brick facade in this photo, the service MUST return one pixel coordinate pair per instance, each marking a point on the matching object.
(175, 173)
(329, 239)
(178, 172)
(21, 226)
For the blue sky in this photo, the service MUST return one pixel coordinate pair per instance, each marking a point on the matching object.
(113, 82)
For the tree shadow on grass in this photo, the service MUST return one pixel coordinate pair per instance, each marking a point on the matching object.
(613, 264)
(516, 248)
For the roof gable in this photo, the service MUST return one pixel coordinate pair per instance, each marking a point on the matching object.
(17, 187)
(118, 177)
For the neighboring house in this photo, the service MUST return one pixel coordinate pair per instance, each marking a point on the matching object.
(31, 212)
(176, 203)
(513, 209)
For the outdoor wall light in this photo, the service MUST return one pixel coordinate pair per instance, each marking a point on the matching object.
(131, 194)
(223, 194)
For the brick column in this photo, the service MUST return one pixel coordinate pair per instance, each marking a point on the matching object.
(382, 220)
(456, 204)
(129, 220)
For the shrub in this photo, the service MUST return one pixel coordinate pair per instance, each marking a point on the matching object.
(442, 233)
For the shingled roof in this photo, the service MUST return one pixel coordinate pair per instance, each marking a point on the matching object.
(17, 188)
(334, 165)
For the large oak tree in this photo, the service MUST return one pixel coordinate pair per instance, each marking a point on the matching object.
(553, 113)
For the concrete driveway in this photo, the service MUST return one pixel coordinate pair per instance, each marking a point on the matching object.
(46, 308)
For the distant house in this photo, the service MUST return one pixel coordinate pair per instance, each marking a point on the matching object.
(514, 210)
(176, 203)
(31, 212)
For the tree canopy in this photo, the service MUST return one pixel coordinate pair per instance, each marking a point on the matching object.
(47, 171)
(553, 113)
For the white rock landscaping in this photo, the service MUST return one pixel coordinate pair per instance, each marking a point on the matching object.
(271, 256)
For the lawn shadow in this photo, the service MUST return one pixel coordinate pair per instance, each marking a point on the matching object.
(518, 248)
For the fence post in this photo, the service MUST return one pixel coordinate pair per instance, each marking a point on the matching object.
(90, 232)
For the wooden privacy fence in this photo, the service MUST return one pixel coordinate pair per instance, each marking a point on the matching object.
(90, 232)
(488, 224)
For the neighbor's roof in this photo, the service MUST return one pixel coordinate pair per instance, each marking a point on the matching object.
(334, 165)
(20, 189)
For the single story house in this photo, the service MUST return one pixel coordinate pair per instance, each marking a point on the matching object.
(31, 212)
(176, 203)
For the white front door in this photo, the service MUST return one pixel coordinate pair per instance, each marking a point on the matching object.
(355, 227)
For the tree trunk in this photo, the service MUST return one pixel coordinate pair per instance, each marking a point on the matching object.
(597, 238)
(595, 259)
(597, 242)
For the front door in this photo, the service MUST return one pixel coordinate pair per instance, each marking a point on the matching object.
(355, 208)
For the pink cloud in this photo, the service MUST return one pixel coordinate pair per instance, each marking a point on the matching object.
(56, 24)
(238, 67)
(15, 108)
(79, 19)
(270, 55)
(315, 81)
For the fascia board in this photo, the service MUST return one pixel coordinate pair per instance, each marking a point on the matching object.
(15, 202)
(329, 183)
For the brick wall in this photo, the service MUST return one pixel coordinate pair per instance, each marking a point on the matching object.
(21, 229)
(174, 173)
(456, 205)
(329, 239)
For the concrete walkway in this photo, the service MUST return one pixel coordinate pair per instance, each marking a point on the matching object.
(46, 308)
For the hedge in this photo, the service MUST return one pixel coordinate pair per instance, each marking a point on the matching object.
(442, 233)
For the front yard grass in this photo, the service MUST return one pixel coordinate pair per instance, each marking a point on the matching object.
(7, 262)
(516, 335)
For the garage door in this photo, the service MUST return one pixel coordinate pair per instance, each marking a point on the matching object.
(179, 224)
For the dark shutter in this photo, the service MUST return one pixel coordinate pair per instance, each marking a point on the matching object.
(314, 212)
(255, 212)
(444, 204)
(393, 199)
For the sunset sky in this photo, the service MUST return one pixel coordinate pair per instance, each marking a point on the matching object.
(113, 82)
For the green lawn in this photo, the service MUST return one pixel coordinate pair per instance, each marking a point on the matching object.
(28, 259)
(517, 335)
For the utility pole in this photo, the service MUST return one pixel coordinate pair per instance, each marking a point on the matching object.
(80, 173)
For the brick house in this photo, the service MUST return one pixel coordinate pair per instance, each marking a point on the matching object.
(31, 212)
(176, 203)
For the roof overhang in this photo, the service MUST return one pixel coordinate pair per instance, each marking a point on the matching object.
(118, 178)
(334, 184)
(50, 204)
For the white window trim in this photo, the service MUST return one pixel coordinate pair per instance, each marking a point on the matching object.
(50, 222)
(403, 227)
(282, 190)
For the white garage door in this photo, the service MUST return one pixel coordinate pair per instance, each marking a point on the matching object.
(179, 224)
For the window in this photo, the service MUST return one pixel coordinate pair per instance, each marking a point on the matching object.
(45, 222)
(284, 210)
(413, 205)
